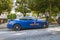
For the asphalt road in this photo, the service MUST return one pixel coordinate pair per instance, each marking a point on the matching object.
(51, 33)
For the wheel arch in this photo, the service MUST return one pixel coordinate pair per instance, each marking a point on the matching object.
(17, 24)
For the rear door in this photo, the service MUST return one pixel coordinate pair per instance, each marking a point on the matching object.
(33, 23)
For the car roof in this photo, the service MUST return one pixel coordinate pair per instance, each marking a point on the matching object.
(27, 18)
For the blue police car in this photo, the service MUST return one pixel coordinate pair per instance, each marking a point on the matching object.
(26, 22)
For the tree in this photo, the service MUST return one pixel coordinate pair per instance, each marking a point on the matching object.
(22, 7)
(5, 5)
(50, 6)
(37, 5)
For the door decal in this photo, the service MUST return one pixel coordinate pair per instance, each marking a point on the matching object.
(34, 24)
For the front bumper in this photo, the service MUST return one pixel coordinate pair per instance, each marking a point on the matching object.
(9, 26)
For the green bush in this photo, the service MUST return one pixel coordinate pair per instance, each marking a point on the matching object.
(11, 16)
(51, 20)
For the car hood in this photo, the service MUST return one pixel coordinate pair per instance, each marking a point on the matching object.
(13, 20)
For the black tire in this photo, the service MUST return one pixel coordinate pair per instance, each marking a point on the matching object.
(45, 26)
(16, 27)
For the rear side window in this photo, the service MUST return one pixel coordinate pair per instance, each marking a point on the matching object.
(26, 19)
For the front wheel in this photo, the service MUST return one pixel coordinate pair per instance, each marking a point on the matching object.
(16, 27)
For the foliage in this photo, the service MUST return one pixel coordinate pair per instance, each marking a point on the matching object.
(51, 20)
(5, 5)
(22, 6)
(44, 5)
(34, 13)
(27, 15)
(11, 16)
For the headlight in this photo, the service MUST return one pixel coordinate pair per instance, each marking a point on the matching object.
(11, 22)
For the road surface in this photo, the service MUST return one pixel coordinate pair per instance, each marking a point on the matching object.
(51, 33)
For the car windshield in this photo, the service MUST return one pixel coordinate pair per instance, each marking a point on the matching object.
(27, 18)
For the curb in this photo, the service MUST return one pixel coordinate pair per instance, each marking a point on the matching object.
(2, 27)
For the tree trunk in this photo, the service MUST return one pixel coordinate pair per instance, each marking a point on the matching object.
(37, 14)
(47, 16)
(0, 13)
(24, 14)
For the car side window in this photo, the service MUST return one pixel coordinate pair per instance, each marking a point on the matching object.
(23, 19)
(26, 19)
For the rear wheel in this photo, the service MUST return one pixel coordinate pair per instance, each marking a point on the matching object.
(16, 27)
(45, 25)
